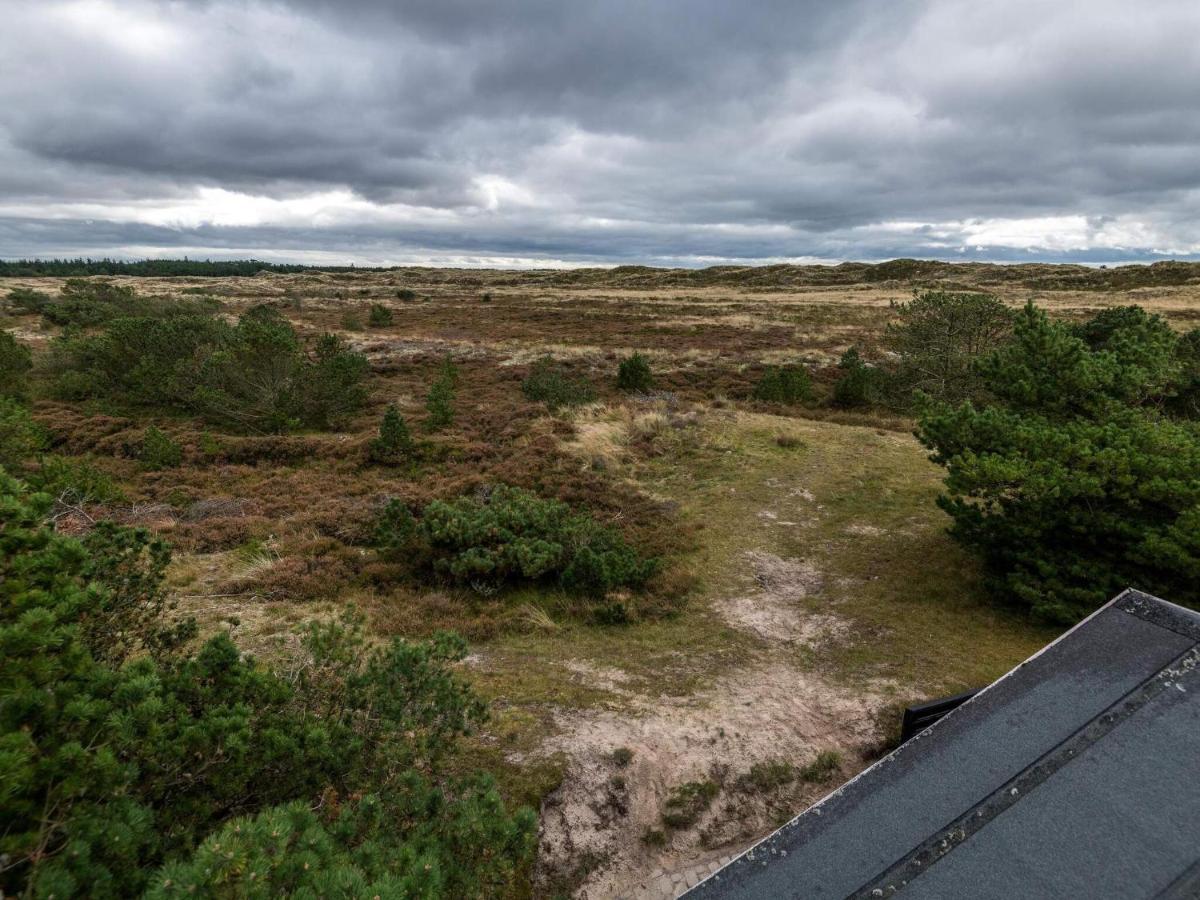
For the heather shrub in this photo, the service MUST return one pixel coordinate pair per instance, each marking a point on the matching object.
(549, 383)
(634, 375)
(784, 384)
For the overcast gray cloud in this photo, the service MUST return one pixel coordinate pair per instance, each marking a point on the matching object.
(592, 131)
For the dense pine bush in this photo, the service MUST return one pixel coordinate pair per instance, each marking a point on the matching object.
(634, 375)
(439, 404)
(784, 384)
(1071, 483)
(859, 384)
(158, 451)
(937, 339)
(20, 436)
(394, 445)
(151, 753)
(379, 316)
(254, 375)
(15, 363)
(507, 535)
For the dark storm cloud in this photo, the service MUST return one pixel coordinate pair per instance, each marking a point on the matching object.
(620, 130)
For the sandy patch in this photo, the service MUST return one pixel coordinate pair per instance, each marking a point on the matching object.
(598, 817)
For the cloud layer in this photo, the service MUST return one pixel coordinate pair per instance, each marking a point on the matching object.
(520, 132)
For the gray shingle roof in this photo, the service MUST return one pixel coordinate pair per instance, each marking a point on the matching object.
(1077, 774)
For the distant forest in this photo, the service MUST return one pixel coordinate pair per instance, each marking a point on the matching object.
(69, 268)
(953, 276)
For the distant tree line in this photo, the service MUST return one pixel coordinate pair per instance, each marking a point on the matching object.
(71, 268)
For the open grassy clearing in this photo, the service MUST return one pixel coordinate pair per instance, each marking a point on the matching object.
(810, 586)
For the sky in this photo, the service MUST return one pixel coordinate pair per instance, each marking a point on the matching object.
(522, 133)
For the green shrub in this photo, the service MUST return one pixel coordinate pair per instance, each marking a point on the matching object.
(394, 444)
(1185, 399)
(440, 401)
(152, 752)
(687, 802)
(20, 436)
(859, 384)
(27, 300)
(634, 375)
(509, 535)
(331, 378)
(823, 767)
(75, 481)
(410, 842)
(379, 316)
(784, 384)
(551, 384)
(395, 529)
(158, 451)
(15, 363)
(1071, 484)
(938, 339)
(407, 295)
(766, 776)
(253, 375)
(85, 304)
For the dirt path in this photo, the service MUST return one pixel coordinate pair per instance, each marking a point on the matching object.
(605, 824)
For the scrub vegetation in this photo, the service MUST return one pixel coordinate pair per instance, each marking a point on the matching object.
(333, 582)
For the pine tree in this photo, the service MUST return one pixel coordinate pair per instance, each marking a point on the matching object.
(1071, 483)
(634, 375)
(440, 401)
(394, 444)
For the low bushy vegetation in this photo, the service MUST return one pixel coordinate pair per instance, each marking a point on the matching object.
(788, 385)
(439, 403)
(550, 383)
(687, 802)
(506, 535)
(253, 376)
(379, 316)
(1072, 483)
(127, 747)
(634, 375)
(158, 451)
(15, 363)
(20, 436)
(859, 384)
(395, 444)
